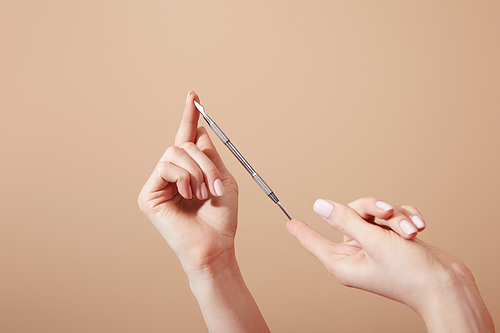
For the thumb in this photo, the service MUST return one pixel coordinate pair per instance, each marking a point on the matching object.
(346, 221)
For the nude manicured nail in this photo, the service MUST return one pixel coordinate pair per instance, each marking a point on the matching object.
(383, 205)
(418, 222)
(408, 227)
(219, 188)
(187, 97)
(323, 208)
(204, 192)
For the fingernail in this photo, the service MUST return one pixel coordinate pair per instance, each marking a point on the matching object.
(418, 222)
(323, 208)
(204, 193)
(187, 97)
(383, 205)
(190, 192)
(408, 227)
(219, 188)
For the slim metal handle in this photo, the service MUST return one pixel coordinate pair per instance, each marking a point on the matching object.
(258, 179)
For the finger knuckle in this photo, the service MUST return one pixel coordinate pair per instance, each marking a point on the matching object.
(145, 205)
(188, 146)
(409, 208)
(162, 167)
(197, 174)
(140, 202)
(371, 199)
(184, 176)
(211, 170)
(398, 219)
(340, 217)
(172, 151)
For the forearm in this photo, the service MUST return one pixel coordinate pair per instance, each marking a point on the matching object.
(224, 299)
(457, 308)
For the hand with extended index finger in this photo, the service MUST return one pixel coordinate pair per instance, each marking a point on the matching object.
(191, 197)
(394, 264)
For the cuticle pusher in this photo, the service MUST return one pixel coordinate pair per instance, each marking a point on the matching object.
(258, 179)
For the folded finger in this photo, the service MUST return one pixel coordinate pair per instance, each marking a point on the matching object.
(166, 173)
(400, 223)
(178, 156)
(379, 212)
(370, 207)
(415, 216)
(210, 172)
(206, 145)
(345, 220)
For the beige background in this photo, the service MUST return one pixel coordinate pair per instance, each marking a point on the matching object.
(332, 99)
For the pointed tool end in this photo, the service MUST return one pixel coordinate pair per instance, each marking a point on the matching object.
(200, 107)
(284, 211)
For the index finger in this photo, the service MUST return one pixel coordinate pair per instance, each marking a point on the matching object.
(189, 123)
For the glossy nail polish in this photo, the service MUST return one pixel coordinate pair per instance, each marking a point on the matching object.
(418, 222)
(204, 192)
(383, 205)
(408, 227)
(219, 188)
(323, 208)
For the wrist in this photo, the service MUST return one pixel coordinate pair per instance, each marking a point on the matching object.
(212, 267)
(453, 304)
(224, 299)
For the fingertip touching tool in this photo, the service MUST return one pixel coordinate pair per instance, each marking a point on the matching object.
(258, 179)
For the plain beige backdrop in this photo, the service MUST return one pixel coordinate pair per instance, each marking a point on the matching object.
(326, 99)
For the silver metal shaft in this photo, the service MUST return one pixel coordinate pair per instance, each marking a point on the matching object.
(258, 179)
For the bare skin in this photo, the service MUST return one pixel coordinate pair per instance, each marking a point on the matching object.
(432, 282)
(192, 199)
